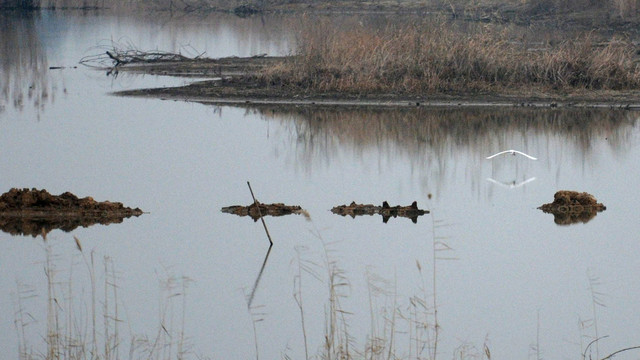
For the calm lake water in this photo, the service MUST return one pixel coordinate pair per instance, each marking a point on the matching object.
(505, 275)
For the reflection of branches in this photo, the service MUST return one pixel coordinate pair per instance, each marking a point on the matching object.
(256, 316)
(255, 285)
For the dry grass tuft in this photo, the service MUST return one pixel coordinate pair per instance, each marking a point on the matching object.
(438, 58)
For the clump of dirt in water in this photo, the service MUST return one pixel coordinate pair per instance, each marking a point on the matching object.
(256, 210)
(37, 212)
(569, 207)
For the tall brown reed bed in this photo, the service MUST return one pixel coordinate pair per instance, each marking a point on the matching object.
(437, 57)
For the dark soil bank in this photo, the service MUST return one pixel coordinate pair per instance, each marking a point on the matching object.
(239, 85)
(569, 207)
(36, 212)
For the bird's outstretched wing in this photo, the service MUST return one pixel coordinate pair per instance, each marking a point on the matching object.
(526, 155)
(498, 154)
(512, 152)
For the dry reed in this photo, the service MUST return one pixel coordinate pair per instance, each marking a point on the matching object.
(73, 326)
(436, 57)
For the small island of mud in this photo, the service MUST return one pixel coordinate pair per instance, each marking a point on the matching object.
(245, 81)
(36, 212)
(412, 211)
(258, 209)
(570, 207)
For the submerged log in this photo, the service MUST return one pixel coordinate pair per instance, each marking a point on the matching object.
(254, 211)
(569, 207)
(412, 211)
(36, 212)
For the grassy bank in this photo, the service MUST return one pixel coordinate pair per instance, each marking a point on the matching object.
(438, 58)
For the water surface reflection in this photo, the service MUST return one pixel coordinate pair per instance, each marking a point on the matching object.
(23, 65)
(430, 137)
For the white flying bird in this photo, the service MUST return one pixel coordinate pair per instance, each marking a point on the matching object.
(512, 152)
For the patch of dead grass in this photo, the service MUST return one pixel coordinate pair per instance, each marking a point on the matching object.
(438, 58)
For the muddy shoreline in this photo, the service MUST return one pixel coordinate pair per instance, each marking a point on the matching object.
(232, 82)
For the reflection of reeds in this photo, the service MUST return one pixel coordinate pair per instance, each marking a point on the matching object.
(428, 137)
(23, 64)
(438, 129)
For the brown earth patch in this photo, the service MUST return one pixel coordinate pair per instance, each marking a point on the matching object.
(37, 212)
(569, 207)
(412, 211)
(258, 209)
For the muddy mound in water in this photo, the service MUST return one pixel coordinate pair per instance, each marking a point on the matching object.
(255, 210)
(570, 207)
(412, 211)
(36, 212)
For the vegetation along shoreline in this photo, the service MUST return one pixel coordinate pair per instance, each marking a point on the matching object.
(525, 58)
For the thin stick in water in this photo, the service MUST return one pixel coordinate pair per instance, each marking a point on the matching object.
(259, 213)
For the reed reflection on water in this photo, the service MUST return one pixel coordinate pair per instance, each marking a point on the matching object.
(428, 137)
(23, 64)
(42, 49)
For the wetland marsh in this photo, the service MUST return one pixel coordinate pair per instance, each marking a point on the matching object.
(501, 274)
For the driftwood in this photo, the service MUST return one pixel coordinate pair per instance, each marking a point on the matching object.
(36, 212)
(258, 209)
(569, 207)
(137, 56)
(114, 56)
(412, 211)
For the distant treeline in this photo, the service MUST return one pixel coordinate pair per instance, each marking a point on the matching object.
(617, 8)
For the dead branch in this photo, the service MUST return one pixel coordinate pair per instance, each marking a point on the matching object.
(619, 351)
(255, 201)
(113, 56)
